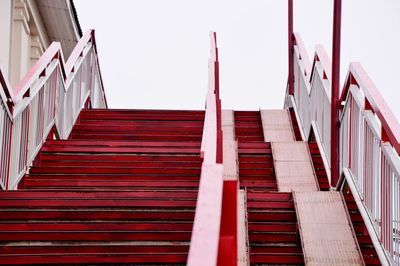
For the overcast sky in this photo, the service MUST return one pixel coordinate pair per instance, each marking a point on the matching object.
(153, 53)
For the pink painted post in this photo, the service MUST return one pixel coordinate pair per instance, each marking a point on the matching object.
(337, 13)
(290, 47)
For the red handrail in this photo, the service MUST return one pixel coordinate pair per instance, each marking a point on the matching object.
(375, 102)
(214, 235)
(303, 52)
(321, 56)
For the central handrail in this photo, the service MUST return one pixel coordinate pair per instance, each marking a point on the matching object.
(206, 240)
(50, 96)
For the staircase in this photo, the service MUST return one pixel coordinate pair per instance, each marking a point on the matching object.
(272, 222)
(122, 189)
(129, 186)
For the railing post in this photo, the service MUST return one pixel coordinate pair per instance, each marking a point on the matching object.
(337, 12)
(290, 48)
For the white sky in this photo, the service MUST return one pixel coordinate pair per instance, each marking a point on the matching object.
(154, 53)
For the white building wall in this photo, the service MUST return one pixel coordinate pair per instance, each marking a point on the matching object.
(25, 30)
(6, 8)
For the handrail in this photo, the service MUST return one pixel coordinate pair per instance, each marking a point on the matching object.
(50, 95)
(207, 245)
(375, 102)
(322, 56)
(306, 60)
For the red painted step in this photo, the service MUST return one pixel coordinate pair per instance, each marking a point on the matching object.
(248, 126)
(273, 231)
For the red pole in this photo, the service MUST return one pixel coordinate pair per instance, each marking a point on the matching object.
(337, 13)
(290, 47)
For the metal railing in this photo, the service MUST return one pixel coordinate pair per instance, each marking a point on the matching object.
(369, 148)
(51, 95)
(369, 141)
(211, 243)
(312, 95)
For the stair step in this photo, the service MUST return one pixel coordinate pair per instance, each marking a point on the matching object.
(164, 144)
(108, 177)
(116, 170)
(91, 213)
(69, 149)
(115, 183)
(272, 227)
(73, 194)
(106, 164)
(111, 258)
(122, 157)
(276, 259)
(134, 137)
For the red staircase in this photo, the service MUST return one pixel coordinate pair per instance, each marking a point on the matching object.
(122, 189)
(272, 222)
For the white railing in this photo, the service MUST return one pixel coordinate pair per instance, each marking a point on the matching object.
(301, 93)
(369, 150)
(312, 94)
(51, 95)
(369, 142)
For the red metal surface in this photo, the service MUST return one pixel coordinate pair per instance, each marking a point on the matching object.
(73, 197)
(228, 248)
(290, 47)
(335, 123)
